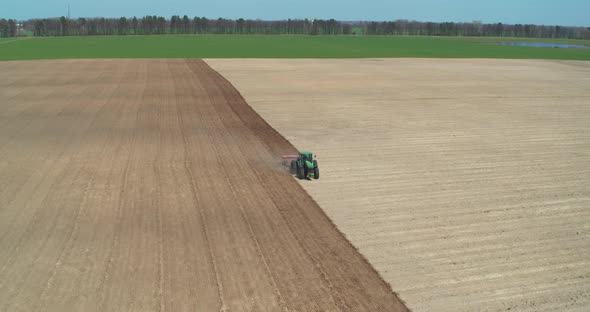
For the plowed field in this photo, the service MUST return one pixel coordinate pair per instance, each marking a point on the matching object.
(465, 182)
(150, 185)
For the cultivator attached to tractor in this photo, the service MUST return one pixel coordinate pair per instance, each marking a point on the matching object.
(304, 165)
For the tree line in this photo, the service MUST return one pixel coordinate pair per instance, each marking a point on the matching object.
(474, 29)
(8, 28)
(157, 25)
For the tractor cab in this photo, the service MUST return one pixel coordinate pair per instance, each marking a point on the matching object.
(306, 156)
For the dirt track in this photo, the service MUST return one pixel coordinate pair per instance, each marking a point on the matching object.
(149, 185)
(476, 171)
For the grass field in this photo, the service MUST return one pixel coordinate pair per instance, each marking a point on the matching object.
(7, 39)
(233, 46)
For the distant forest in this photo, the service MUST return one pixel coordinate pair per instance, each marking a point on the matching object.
(157, 25)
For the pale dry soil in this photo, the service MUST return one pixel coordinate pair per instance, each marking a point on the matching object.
(466, 183)
(150, 185)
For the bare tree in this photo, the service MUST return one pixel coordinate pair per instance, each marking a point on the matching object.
(134, 25)
(186, 25)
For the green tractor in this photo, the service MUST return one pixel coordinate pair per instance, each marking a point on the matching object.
(305, 166)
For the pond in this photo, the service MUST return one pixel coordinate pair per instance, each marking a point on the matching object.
(543, 45)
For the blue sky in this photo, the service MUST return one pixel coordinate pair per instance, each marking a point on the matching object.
(548, 12)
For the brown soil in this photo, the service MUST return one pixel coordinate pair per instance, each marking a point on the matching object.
(475, 171)
(150, 185)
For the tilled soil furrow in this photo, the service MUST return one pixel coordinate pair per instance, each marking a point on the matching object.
(291, 267)
(300, 212)
(151, 185)
(464, 182)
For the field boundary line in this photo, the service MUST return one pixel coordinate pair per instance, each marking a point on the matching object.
(13, 40)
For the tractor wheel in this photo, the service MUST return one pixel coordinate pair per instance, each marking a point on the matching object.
(316, 170)
(300, 172)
